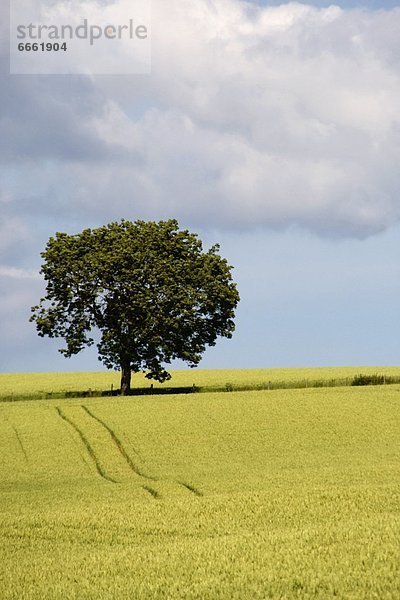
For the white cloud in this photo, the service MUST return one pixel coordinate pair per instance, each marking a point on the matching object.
(267, 116)
(15, 273)
(15, 234)
(253, 116)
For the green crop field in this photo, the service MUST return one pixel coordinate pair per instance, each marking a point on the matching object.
(282, 494)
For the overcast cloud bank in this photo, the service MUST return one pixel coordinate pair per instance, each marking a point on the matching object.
(252, 116)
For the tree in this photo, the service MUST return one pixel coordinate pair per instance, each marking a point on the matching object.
(148, 288)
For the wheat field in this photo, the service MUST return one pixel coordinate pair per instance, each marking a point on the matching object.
(262, 494)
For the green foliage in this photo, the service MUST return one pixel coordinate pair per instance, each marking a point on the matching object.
(373, 379)
(281, 494)
(149, 289)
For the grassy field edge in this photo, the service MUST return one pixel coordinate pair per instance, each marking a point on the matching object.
(40, 386)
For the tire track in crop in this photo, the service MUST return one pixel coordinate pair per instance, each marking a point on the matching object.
(113, 435)
(20, 442)
(156, 495)
(119, 446)
(5, 419)
(191, 488)
(132, 465)
(87, 445)
(167, 485)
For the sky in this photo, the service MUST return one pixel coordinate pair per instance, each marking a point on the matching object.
(271, 128)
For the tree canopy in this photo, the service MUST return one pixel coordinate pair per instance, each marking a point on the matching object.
(147, 287)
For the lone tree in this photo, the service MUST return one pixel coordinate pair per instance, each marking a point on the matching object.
(148, 288)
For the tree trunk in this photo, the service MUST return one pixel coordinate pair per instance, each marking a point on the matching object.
(125, 379)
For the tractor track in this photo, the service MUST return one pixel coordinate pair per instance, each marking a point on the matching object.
(87, 445)
(119, 446)
(131, 464)
(20, 443)
(123, 453)
(191, 488)
(156, 495)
